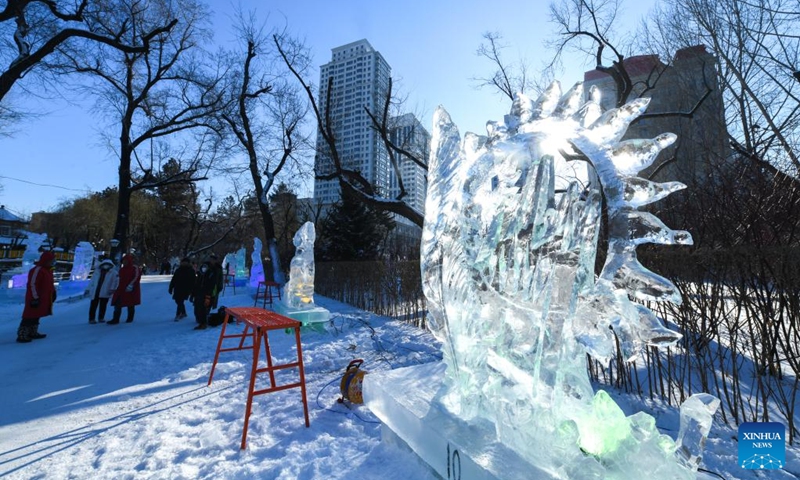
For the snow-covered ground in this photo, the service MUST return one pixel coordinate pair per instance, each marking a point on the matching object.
(131, 401)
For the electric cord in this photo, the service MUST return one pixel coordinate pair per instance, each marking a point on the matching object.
(710, 473)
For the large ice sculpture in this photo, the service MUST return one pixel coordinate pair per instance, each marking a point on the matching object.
(508, 271)
(256, 268)
(82, 262)
(299, 290)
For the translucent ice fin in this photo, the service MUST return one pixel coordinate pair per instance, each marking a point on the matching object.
(639, 191)
(640, 282)
(611, 125)
(571, 102)
(473, 143)
(588, 113)
(522, 108)
(547, 101)
(644, 227)
(632, 156)
(653, 332)
(445, 140)
(594, 95)
(697, 414)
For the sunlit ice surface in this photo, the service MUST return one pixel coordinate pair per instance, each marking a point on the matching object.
(508, 253)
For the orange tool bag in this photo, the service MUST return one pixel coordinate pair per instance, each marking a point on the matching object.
(350, 387)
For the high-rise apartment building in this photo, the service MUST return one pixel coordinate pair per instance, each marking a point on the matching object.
(358, 77)
(408, 133)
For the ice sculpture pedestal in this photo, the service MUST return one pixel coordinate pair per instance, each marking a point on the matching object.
(404, 401)
(309, 317)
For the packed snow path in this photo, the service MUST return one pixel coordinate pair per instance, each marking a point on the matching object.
(130, 400)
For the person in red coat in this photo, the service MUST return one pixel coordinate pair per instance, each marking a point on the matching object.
(128, 293)
(40, 294)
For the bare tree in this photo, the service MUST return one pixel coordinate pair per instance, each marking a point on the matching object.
(265, 114)
(163, 92)
(758, 52)
(296, 57)
(208, 229)
(507, 78)
(40, 27)
(587, 26)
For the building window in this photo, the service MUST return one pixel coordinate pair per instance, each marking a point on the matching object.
(5, 231)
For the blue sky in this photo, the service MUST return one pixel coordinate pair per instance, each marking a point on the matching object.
(430, 46)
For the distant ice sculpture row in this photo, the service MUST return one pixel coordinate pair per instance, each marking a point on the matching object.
(508, 253)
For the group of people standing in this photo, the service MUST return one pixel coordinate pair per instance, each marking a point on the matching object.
(120, 287)
(201, 287)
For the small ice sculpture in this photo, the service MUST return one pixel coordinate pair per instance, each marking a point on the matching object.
(508, 271)
(240, 270)
(229, 264)
(257, 268)
(299, 291)
(82, 262)
(33, 242)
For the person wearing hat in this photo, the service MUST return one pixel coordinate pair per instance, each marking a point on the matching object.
(201, 295)
(181, 286)
(102, 285)
(128, 293)
(40, 294)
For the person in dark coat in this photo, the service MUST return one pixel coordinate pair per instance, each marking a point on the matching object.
(166, 268)
(181, 286)
(219, 278)
(201, 295)
(128, 293)
(102, 285)
(40, 294)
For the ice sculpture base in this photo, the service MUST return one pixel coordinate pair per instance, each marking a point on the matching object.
(404, 401)
(308, 317)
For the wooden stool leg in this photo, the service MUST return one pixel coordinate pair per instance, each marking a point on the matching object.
(302, 373)
(251, 389)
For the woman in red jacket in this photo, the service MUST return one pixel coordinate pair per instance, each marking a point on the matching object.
(40, 295)
(128, 293)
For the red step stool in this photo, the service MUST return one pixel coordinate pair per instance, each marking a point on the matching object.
(258, 322)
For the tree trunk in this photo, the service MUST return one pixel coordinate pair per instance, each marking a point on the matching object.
(274, 272)
(267, 221)
(124, 200)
